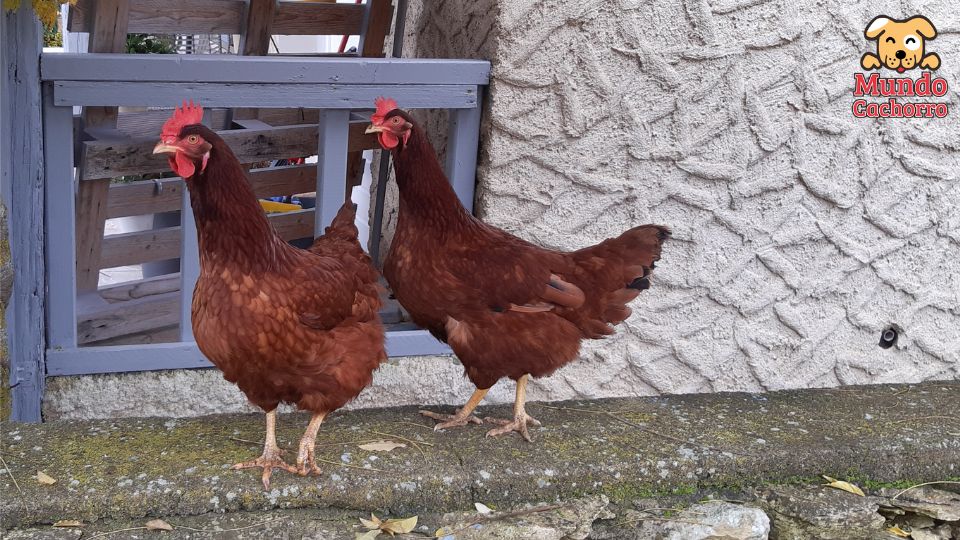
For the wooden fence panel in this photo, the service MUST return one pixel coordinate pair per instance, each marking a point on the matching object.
(110, 159)
(226, 17)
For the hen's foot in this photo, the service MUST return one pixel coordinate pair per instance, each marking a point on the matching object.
(307, 465)
(448, 421)
(518, 424)
(269, 461)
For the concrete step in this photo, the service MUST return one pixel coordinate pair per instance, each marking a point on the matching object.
(623, 448)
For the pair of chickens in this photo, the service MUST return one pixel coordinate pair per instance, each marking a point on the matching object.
(302, 327)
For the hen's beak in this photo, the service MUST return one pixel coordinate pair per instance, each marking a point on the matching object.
(373, 128)
(162, 148)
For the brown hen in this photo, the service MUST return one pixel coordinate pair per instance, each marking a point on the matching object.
(506, 307)
(283, 324)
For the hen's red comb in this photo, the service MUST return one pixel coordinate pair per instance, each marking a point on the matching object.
(384, 106)
(185, 115)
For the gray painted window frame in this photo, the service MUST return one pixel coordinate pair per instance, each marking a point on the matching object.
(336, 85)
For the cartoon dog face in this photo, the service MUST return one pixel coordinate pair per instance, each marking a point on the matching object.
(900, 44)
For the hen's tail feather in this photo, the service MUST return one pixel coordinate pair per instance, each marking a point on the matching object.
(616, 271)
(343, 225)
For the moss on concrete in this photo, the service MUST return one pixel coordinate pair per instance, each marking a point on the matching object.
(626, 449)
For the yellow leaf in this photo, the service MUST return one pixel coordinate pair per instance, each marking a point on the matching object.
(45, 479)
(68, 523)
(158, 525)
(845, 486)
(381, 446)
(372, 523)
(898, 531)
(369, 535)
(401, 526)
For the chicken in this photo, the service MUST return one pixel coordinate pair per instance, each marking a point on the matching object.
(506, 307)
(283, 324)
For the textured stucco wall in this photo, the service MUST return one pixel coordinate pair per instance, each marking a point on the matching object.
(800, 232)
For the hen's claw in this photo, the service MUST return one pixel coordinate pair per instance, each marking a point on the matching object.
(308, 466)
(518, 424)
(268, 461)
(448, 421)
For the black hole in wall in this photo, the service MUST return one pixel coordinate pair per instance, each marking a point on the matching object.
(888, 337)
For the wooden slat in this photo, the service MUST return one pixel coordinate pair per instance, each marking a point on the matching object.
(381, 15)
(129, 358)
(225, 68)
(21, 152)
(139, 198)
(310, 18)
(91, 218)
(225, 17)
(149, 123)
(139, 247)
(107, 22)
(263, 95)
(109, 159)
(162, 244)
(141, 288)
(112, 320)
(167, 334)
(258, 22)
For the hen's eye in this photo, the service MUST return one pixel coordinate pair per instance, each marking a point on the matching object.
(193, 139)
(396, 119)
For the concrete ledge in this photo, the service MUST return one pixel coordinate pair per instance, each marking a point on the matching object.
(624, 448)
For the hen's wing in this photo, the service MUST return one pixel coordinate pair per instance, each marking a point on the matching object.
(503, 272)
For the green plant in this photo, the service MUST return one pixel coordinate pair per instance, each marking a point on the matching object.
(52, 37)
(149, 44)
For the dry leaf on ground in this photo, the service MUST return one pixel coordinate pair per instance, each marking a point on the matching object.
(845, 486)
(398, 526)
(45, 479)
(898, 531)
(381, 446)
(482, 508)
(158, 525)
(389, 526)
(372, 523)
(68, 523)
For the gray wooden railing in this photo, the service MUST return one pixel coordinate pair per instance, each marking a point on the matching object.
(341, 87)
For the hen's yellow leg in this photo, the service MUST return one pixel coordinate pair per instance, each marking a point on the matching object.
(305, 460)
(463, 415)
(270, 459)
(520, 416)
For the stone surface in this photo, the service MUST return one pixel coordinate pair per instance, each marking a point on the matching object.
(927, 500)
(183, 393)
(710, 521)
(799, 513)
(572, 520)
(624, 449)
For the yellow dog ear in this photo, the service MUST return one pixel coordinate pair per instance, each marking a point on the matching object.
(923, 26)
(877, 27)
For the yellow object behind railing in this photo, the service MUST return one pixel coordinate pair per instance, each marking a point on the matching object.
(272, 207)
